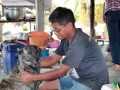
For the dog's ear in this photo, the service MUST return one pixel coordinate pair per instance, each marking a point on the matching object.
(20, 51)
(38, 52)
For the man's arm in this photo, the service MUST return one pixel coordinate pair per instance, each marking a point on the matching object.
(51, 75)
(50, 60)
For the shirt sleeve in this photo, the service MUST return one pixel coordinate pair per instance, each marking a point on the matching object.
(74, 55)
(60, 50)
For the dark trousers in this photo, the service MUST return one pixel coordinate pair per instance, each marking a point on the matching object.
(113, 25)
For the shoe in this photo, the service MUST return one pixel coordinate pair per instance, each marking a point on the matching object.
(116, 67)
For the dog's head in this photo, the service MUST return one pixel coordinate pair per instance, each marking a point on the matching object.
(29, 56)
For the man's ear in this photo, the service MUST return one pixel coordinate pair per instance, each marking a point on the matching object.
(69, 25)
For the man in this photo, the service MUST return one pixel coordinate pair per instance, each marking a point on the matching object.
(81, 53)
(112, 20)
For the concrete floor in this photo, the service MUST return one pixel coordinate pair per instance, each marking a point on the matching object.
(113, 74)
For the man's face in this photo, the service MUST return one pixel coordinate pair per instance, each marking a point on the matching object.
(59, 30)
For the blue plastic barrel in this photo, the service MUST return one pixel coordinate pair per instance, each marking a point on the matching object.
(9, 53)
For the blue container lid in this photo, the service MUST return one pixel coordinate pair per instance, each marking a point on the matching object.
(12, 47)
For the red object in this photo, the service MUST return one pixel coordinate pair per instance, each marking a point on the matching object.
(24, 42)
(39, 39)
(103, 35)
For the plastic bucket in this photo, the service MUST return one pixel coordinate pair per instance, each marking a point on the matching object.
(39, 39)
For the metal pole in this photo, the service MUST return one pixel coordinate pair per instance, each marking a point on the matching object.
(92, 7)
(39, 15)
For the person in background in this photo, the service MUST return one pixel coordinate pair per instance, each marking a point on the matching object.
(81, 53)
(112, 20)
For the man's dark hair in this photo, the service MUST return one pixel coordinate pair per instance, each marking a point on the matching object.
(62, 16)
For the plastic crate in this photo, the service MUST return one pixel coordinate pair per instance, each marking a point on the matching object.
(9, 54)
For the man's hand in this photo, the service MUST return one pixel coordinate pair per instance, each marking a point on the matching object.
(25, 77)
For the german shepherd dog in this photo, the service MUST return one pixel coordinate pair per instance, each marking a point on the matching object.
(28, 58)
